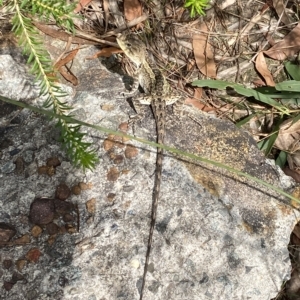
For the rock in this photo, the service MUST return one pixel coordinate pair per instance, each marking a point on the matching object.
(62, 192)
(8, 285)
(36, 231)
(33, 255)
(19, 166)
(8, 167)
(24, 239)
(52, 228)
(42, 211)
(53, 162)
(68, 218)
(131, 151)
(216, 235)
(28, 156)
(91, 206)
(7, 263)
(63, 207)
(6, 232)
(17, 277)
(84, 186)
(76, 190)
(20, 264)
(113, 174)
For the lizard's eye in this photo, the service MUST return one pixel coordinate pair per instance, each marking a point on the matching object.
(128, 44)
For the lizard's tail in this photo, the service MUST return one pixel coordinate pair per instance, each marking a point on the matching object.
(159, 112)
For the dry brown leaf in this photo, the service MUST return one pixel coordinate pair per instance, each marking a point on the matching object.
(296, 231)
(63, 36)
(198, 93)
(106, 13)
(105, 52)
(280, 10)
(64, 70)
(196, 103)
(262, 68)
(287, 47)
(289, 136)
(203, 53)
(258, 82)
(67, 59)
(289, 140)
(81, 5)
(132, 9)
(68, 75)
(295, 175)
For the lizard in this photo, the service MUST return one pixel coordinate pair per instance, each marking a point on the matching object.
(158, 94)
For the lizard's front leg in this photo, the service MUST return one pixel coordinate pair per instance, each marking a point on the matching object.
(139, 106)
(134, 88)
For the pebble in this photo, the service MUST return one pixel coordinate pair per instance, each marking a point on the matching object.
(8, 285)
(6, 232)
(62, 191)
(33, 255)
(91, 206)
(8, 167)
(14, 152)
(7, 263)
(20, 264)
(41, 211)
(28, 156)
(63, 207)
(53, 162)
(36, 231)
(76, 190)
(131, 151)
(19, 165)
(113, 174)
(52, 228)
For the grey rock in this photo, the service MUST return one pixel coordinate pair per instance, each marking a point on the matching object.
(218, 236)
(28, 156)
(8, 167)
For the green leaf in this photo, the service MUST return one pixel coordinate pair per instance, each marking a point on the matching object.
(289, 85)
(273, 93)
(219, 84)
(296, 119)
(281, 159)
(266, 145)
(293, 70)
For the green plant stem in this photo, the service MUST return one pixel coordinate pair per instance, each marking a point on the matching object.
(153, 144)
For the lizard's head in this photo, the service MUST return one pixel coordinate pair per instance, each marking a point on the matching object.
(133, 47)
